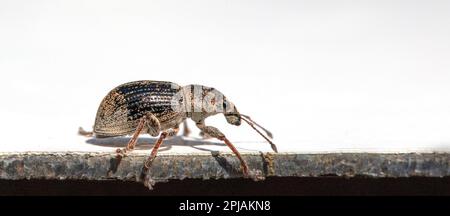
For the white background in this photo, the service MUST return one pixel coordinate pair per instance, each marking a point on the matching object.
(323, 75)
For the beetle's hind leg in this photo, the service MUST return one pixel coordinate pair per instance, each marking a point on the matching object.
(151, 123)
(186, 130)
(83, 132)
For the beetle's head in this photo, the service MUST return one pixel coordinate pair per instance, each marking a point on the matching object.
(205, 101)
(231, 113)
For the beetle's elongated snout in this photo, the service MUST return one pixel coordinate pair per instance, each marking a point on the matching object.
(231, 113)
(233, 118)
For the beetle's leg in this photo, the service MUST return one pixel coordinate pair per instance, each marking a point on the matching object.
(173, 131)
(130, 146)
(214, 132)
(204, 135)
(85, 133)
(148, 181)
(153, 126)
(186, 130)
(164, 134)
(152, 156)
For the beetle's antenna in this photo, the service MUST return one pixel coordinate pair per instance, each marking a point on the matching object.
(252, 124)
(265, 130)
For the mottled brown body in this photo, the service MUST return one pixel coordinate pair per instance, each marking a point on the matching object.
(123, 107)
(158, 108)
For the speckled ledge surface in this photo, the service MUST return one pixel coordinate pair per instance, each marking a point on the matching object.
(104, 166)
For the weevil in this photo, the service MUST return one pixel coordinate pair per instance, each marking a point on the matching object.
(159, 107)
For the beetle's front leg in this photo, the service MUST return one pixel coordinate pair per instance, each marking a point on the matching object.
(148, 121)
(214, 132)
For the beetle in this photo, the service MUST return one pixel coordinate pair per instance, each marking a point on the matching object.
(159, 107)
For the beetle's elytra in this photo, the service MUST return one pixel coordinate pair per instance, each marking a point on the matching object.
(122, 108)
(159, 107)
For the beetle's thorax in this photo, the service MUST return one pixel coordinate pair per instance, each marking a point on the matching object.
(201, 102)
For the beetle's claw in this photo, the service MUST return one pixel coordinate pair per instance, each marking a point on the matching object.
(256, 175)
(149, 182)
(121, 153)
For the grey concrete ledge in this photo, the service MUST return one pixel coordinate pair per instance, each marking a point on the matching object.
(103, 166)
